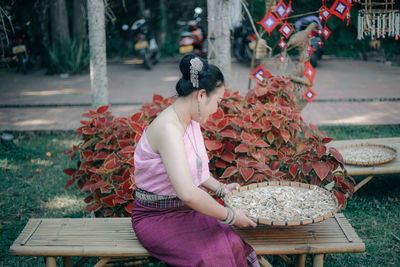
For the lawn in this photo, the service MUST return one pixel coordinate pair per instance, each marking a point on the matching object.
(31, 182)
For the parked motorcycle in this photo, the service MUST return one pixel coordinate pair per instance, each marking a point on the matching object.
(244, 42)
(21, 49)
(145, 42)
(315, 40)
(193, 37)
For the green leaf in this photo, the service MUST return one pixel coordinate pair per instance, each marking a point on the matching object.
(330, 186)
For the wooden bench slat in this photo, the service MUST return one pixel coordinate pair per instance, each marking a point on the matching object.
(92, 237)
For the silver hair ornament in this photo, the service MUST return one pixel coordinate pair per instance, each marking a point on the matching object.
(196, 65)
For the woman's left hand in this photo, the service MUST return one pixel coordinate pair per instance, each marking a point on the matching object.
(231, 187)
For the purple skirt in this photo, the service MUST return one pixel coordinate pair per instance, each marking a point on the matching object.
(184, 237)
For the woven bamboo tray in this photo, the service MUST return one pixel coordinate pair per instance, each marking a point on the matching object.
(269, 221)
(386, 155)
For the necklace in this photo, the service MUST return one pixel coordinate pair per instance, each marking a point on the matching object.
(199, 163)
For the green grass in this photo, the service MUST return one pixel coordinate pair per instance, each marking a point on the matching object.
(32, 186)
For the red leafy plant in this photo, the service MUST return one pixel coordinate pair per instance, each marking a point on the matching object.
(260, 137)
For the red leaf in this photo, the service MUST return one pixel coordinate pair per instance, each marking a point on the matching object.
(229, 172)
(112, 162)
(220, 164)
(101, 155)
(270, 137)
(321, 150)
(119, 201)
(136, 127)
(128, 208)
(275, 165)
(313, 127)
(246, 173)
(340, 197)
(89, 131)
(126, 152)
(222, 124)
(277, 124)
(285, 135)
(108, 201)
(69, 171)
(307, 167)
(293, 169)
(136, 117)
(321, 168)
(69, 183)
(218, 115)
(326, 140)
(157, 99)
(229, 133)
(102, 109)
(336, 154)
(246, 137)
(228, 156)
(242, 148)
(261, 143)
(213, 145)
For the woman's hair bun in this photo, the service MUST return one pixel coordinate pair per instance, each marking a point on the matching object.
(184, 65)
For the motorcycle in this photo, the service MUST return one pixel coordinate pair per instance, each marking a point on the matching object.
(144, 42)
(193, 37)
(315, 39)
(21, 49)
(244, 42)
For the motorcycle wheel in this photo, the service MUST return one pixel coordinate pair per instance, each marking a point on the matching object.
(314, 59)
(147, 59)
(22, 64)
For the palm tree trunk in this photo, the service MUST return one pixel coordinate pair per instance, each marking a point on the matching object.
(98, 61)
(79, 32)
(59, 21)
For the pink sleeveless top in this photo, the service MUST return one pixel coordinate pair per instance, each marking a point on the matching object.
(150, 173)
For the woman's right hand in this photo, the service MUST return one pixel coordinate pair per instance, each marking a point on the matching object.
(242, 219)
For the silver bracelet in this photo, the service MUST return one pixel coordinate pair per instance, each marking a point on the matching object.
(231, 218)
(220, 191)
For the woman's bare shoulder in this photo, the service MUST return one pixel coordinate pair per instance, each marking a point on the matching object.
(162, 129)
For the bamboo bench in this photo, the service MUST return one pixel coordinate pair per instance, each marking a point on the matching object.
(114, 237)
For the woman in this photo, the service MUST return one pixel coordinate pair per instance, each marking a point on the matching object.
(173, 218)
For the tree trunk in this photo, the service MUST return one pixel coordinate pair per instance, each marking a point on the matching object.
(59, 21)
(219, 40)
(42, 13)
(141, 8)
(163, 24)
(79, 20)
(98, 61)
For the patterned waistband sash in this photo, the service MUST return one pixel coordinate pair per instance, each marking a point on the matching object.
(152, 200)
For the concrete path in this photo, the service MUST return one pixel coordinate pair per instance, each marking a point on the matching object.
(348, 93)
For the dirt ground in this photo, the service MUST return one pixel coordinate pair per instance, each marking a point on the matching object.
(348, 92)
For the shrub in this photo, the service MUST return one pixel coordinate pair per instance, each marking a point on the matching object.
(69, 56)
(260, 137)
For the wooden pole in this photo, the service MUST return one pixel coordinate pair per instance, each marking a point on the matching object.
(301, 260)
(51, 262)
(318, 260)
(67, 261)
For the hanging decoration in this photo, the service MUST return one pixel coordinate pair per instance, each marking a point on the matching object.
(257, 74)
(326, 32)
(269, 22)
(286, 30)
(281, 10)
(282, 44)
(289, 9)
(309, 71)
(309, 94)
(324, 14)
(340, 8)
(378, 20)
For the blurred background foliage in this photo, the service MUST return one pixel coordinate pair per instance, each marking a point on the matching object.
(36, 17)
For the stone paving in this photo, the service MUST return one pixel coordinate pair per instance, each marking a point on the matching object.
(349, 92)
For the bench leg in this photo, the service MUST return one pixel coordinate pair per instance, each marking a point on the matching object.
(67, 261)
(301, 260)
(318, 260)
(51, 262)
(263, 262)
(103, 261)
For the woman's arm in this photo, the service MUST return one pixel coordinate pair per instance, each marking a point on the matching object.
(213, 184)
(170, 145)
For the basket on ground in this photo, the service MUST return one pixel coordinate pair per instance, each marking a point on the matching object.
(367, 154)
(284, 203)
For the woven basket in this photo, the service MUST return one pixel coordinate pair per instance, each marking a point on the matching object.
(268, 221)
(392, 154)
(300, 86)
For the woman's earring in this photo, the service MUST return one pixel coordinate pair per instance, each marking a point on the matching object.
(199, 112)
